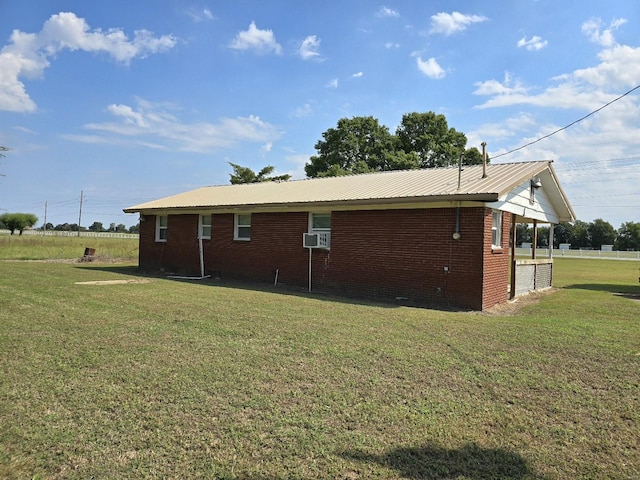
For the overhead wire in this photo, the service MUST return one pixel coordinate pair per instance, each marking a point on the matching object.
(569, 125)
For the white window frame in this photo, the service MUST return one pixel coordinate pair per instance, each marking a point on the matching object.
(240, 228)
(496, 229)
(315, 229)
(204, 227)
(162, 228)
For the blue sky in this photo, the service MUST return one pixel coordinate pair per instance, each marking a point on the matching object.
(132, 101)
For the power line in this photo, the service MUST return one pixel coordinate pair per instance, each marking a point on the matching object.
(580, 165)
(567, 126)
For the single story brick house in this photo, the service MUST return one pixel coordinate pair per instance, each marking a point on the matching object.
(440, 236)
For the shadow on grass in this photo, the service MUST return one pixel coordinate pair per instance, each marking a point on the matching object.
(605, 287)
(281, 288)
(432, 462)
(238, 284)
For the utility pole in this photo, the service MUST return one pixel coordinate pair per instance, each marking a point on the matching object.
(44, 227)
(80, 214)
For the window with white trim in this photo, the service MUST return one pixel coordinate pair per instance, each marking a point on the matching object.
(242, 226)
(496, 229)
(205, 227)
(319, 222)
(162, 223)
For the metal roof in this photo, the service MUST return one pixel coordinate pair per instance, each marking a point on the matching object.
(393, 187)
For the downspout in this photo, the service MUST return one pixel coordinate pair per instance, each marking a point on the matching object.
(201, 256)
(456, 234)
(310, 250)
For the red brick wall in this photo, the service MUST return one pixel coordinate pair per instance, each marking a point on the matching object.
(496, 263)
(179, 254)
(402, 253)
(385, 254)
(276, 244)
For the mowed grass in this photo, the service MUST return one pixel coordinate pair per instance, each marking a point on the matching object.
(174, 379)
(36, 247)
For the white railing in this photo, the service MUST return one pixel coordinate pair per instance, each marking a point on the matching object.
(59, 233)
(580, 253)
(533, 275)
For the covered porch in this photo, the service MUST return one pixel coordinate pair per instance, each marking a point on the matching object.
(539, 200)
(529, 274)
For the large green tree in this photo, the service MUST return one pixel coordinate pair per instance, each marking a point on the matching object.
(18, 221)
(96, 227)
(363, 145)
(601, 233)
(246, 175)
(580, 235)
(429, 136)
(357, 145)
(628, 236)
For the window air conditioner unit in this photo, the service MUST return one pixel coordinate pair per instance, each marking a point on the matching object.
(316, 240)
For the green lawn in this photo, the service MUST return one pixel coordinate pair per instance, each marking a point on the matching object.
(36, 247)
(173, 379)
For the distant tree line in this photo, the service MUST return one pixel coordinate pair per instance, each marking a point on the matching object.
(97, 227)
(23, 221)
(584, 235)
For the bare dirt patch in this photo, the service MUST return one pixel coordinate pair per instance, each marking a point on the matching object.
(114, 282)
(512, 307)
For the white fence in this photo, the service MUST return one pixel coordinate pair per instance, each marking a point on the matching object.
(611, 255)
(58, 233)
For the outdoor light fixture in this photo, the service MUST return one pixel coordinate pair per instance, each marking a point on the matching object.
(536, 183)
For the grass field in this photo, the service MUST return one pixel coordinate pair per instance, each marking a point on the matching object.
(158, 378)
(34, 247)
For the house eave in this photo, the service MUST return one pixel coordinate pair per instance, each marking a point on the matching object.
(433, 201)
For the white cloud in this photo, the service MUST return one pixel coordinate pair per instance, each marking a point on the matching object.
(200, 15)
(154, 125)
(333, 83)
(508, 86)
(266, 148)
(592, 28)
(511, 126)
(619, 67)
(260, 41)
(303, 111)
(390, 45)
(450, 23)
(27, 55)
(357, 75)
(583, 89)
(430, 68)
(309, 48)
(385, 12)
(533, 44)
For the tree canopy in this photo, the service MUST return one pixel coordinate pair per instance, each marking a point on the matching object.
(246, 175)
(363, 145)
(18, 221)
